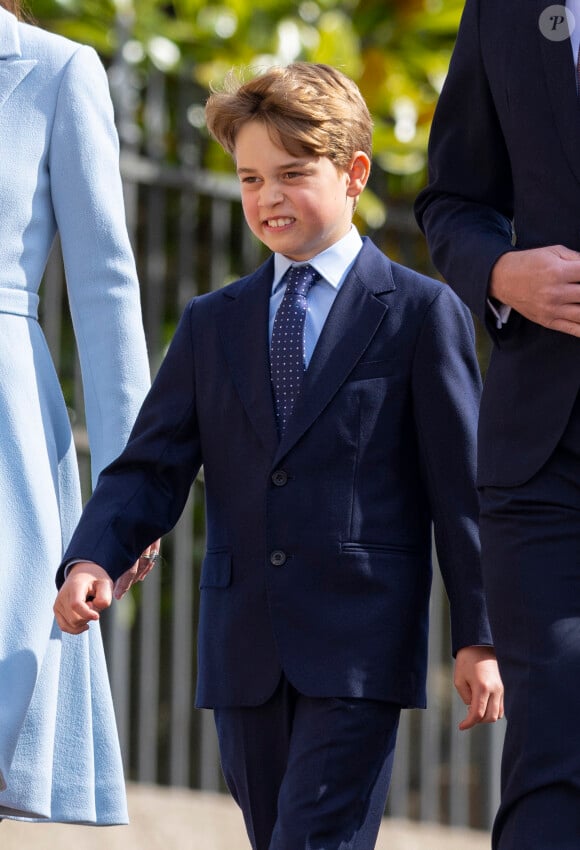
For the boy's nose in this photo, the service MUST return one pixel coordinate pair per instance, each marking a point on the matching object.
(271, 193)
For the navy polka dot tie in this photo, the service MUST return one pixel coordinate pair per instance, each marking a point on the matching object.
(287, 344)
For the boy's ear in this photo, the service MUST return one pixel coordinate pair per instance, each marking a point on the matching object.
(358, 173)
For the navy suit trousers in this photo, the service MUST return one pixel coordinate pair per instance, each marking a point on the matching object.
(309, 773)
(531, 561)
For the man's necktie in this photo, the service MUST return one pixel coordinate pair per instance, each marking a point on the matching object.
(287, 344)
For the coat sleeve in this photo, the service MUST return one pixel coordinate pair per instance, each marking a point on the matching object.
(446, 387)
(100, 270)
(466, 209)
(141, 495)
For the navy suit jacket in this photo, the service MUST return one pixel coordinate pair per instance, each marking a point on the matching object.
(318, 545)
(505, 149)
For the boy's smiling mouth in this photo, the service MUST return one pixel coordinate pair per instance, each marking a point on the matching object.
(279, 222)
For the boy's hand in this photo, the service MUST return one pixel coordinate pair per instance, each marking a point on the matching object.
(479, 685)
(87, 590)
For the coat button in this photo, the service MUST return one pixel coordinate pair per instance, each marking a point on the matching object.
(279, 478)
(277, 558)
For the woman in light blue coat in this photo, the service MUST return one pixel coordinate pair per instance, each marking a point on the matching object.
(58, 171)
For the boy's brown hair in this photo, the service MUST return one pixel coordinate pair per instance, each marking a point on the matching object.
(308, 108)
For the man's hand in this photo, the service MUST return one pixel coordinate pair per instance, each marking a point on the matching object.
(87, 590)
(543, 284)
(479, 685)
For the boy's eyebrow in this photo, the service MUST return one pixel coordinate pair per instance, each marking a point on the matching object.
(295, 163)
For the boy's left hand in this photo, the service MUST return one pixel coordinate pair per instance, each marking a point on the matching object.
(479, 685)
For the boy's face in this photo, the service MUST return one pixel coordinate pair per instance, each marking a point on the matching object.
(298, 206)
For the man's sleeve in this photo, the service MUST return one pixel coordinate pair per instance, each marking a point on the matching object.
(466, 209)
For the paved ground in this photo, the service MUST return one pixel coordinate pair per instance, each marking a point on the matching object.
(170, 819)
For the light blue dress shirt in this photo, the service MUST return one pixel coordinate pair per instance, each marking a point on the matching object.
(333, 265)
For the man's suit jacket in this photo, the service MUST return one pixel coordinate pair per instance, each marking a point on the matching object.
(318, 545)
(505, 147)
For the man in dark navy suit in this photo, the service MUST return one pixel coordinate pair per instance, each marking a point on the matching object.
(322, 484)
(502, 218)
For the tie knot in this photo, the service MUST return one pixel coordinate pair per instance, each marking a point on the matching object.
(299, 279)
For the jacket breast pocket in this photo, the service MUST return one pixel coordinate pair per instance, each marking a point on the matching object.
(372, 369)
(216, 569)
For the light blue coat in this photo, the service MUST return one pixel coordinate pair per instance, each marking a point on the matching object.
(59, 756)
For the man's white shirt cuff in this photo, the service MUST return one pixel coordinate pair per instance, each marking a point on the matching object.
(501, 313)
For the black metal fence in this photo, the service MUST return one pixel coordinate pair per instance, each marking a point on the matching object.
(188, 235)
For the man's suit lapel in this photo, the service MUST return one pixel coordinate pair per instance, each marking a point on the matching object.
(244, 334)
(355, 317)
(558, 63)
(13, 69)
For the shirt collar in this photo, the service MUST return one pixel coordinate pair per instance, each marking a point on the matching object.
(574, 7)
(332, 264)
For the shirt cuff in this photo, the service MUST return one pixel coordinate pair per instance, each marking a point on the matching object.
(500, 311)
(74, 561)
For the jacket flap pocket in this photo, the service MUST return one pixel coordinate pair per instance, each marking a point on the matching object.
(216, 570)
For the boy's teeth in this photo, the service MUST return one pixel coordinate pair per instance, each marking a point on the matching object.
(279, 222)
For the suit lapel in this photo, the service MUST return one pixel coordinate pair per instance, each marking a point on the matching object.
(244, 334)
(243, 328)
(13, 69)
(558, 65)
(355, 317)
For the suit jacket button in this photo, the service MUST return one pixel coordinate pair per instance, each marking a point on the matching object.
(277, 558)
(279, 478)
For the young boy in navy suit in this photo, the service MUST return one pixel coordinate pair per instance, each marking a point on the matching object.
(331, 397)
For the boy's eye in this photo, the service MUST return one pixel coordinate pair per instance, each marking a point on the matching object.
(249, 179)
(292, 174)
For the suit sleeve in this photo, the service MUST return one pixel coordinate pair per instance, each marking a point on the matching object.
(446, 388)
(141, 495)
(466, 209)
(100, 270)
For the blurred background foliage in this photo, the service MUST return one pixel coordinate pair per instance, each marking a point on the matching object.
(396, 50)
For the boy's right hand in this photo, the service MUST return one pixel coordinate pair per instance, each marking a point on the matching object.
(87, 590)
